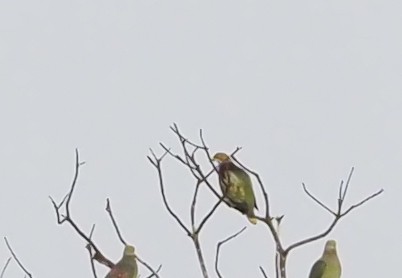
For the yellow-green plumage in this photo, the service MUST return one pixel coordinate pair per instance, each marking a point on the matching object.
(236, 186)
(328, 266)
(127, 266)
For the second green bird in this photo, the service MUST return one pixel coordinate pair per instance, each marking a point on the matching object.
(328, 266)
(127, 266)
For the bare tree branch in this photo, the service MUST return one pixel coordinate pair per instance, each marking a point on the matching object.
(5, 267)
(209, 214)
(193, 204)
(344, 192)
(264, 274)
(316, 200)
(362, 202)
(154, 273)
(98, 256)
(109, 211)
(16, 259)
(157, 164)
(90, 253)
(343, 189)
(200, 256)
(218, 247)
(267, 219)
(188, 159)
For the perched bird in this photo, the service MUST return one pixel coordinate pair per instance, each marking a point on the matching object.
(328, 266)
(236, 186)
(127, 266)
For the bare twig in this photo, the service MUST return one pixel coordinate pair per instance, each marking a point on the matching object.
(97, 255)
(218, 247)
(317, 201)
(16, 259)
(5, 267)
(264, 274)
(194, 168)
(154, 273)
(343, 189)
(209, 214)
(362, 202)
(157, 164)
(90, 253)
(109, 211)
(343, 195)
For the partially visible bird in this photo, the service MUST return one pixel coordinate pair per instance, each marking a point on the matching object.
(127, 266)
(236, 186)
(328, 266)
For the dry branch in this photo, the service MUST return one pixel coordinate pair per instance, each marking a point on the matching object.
(338, 214)
(16, 259)
(264, 274)
(218, 247)
(5, 267)
(110, 212)
(187, 159)
(94, 252)
(67, 218)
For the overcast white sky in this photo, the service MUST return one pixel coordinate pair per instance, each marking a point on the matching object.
(307, 88)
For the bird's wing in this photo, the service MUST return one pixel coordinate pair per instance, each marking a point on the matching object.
(244, 180)
(318, 269)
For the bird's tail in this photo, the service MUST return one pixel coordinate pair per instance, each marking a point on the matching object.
(252, 219)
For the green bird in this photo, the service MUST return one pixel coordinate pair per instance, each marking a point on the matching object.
(328, 266)
(236, 186)
(127, 266)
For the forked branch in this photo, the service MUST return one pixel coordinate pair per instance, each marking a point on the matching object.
(188, 159)
(218, 247)
(94, 252)
(67, 218)
(16, 259)
(337, 214)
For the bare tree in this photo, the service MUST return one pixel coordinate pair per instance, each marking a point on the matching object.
(94, 252)
(189, 158)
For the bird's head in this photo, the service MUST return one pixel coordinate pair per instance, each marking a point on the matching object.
(330, 246)
(221, 157)
(129, 250)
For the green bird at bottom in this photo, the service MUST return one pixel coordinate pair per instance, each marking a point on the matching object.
(328, 266)
(236, 186)
(127, 266)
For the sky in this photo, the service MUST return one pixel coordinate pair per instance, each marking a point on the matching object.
(308, 89)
